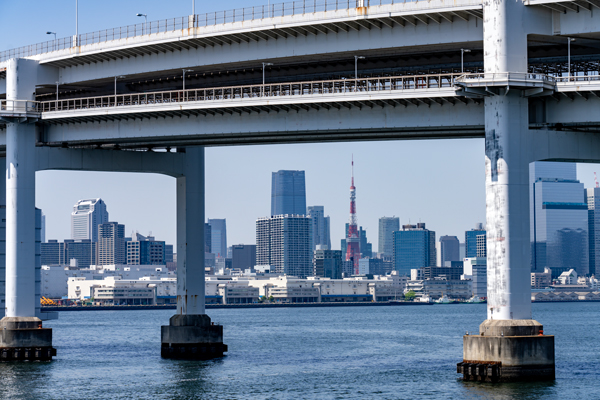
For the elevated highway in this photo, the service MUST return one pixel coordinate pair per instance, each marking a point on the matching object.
(523, 75)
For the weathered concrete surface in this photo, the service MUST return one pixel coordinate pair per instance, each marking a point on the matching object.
(192, 337)
(508, 351)
(514, 327)
(24, 339)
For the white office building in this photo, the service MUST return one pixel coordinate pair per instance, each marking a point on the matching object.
(85, 218)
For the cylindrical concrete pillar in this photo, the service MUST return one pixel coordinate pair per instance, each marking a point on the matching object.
(507, 208)
(20, 220)
(190, 235)
(507, 176)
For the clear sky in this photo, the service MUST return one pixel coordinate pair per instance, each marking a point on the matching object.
(439, 182)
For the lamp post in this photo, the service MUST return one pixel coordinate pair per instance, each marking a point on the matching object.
(53, 44)
(569, 40)
(117, 77)
(462, 57)
(356, 58)
(145, 21)
(184, 71)
(76, 22)
(263, 70)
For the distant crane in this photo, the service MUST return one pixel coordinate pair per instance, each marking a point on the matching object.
(596, 179)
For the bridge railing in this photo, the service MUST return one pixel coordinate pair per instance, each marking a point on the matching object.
(491, 78)
(278, 90)
(578, 78)
(298, 7)
(19, 106)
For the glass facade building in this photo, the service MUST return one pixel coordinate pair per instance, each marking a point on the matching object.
(218, 237)
(387, 227)
(288, 193)
(593, 202)
(558, 218)
(471, 240)
(414, 247)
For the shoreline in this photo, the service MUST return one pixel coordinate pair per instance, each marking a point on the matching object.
(251, 305)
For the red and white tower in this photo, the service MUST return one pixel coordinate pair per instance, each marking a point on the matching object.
(352, 239)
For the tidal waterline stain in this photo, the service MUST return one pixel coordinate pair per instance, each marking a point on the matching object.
(304, 353)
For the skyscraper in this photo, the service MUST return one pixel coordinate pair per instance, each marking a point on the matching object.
(283, 242)
(387, 226)
(111, 244)
(471, 240)
(320, 227)
(449, 249)
(243, 256)
(558, 218)
(288, 193)
(218, 236)
(414, 247)
(85, 218)
(593, 202)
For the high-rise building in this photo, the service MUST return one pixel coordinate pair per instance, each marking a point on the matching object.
(145, 250)
(288, 193)
(85, 218)
(327, 263)
(414, 247)
(471, 240)
(218, 236)
(593, 202)
(320, 227)
(481, 245)
(168, 253)
(243, 256)
(207, 238)
(449, 249)
(111, 244)
(283, 242)
(387, 227)
(558, 218)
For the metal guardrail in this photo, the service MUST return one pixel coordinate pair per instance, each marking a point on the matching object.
(505, 76)
(19, 106)
(340, 86)
(299, 7)
(577, 78)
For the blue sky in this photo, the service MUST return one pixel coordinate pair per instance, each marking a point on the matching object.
(437, 182)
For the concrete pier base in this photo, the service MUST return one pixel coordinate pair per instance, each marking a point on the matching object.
(192, 337)
(508, 351)
(24, 339)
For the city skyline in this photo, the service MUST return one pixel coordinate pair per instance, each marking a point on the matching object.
(404, 199)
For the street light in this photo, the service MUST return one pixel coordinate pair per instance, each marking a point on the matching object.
(462, 57)
(356, 58)
(569, 40)
(117, 77)
(265, 65)
(184, 71)
(53, 44)
(145, 21)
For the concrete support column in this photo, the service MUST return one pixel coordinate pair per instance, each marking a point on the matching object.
(510, 345)
(20, 220)
(190, 333)
(21, 334)
(507, 208)
(190, 235)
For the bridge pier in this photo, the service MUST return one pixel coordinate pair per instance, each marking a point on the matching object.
(22, 336)
(190, 333)
(511, 346)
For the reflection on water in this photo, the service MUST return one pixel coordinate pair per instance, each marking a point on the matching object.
(501, 391)
(304, 353)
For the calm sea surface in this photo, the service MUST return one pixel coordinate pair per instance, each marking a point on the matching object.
(300, 353)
